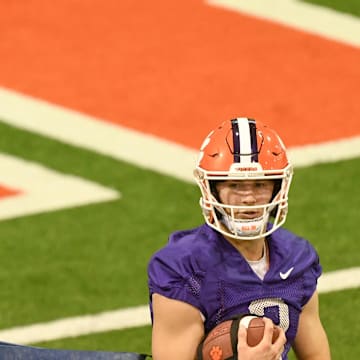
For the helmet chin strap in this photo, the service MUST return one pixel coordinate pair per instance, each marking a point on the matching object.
(245, 227)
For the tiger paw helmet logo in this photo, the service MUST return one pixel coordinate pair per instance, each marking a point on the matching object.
(216, 353)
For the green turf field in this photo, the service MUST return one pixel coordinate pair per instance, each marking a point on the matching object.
(93, 258)
(90, 255)
(347, 6)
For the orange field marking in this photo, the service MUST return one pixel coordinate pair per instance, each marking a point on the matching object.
(175, 69)
(5, 192)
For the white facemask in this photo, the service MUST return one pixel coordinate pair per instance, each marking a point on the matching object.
(245, 227)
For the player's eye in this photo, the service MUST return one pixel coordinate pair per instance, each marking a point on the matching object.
(263, 184)
(260, 184)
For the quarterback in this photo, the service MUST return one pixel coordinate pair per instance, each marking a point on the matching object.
(241, 260)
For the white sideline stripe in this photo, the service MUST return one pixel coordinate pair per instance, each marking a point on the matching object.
(136, 316)
(143, 150)
(88, 132)
(311, 18)
(43, 189)
(339, 280)
(326, 152)
(77, 326)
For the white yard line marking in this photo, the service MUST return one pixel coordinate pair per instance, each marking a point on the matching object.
(77, 326)
(43, 189)
(326, 152)
(339, 280)
(128, 145)
(136, 316)
(310, 18)
(88, 132)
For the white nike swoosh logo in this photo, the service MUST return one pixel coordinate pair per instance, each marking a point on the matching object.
(284, 276)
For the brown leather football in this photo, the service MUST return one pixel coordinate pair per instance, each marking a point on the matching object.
(218, 345)
(255, 331)
(221, 342)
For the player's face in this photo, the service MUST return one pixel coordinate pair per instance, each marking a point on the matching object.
(246, 193)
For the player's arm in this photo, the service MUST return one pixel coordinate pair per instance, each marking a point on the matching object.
(177, 329)
(311, 342)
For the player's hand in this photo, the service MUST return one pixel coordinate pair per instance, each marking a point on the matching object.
(265, 350)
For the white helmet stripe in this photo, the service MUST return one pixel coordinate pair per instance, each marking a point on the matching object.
(245, 140)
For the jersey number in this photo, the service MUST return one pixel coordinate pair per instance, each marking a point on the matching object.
(267, 307)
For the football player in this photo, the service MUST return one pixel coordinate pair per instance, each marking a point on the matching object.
(240, 260)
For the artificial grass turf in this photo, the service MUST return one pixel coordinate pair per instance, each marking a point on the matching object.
(89, 258)
(133, 340)
(93, 258)
(324, 209)
(337, 311)
(348, 6)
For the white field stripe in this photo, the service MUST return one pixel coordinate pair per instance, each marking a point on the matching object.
(143, 150)
(77, 326)
(339, 280)
(331, 151)
(136, 316)
(311, 18)
(95, 134)
(43, 189)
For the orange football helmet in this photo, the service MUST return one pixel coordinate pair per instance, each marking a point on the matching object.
(243, 149)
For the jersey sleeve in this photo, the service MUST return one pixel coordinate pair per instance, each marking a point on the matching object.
(299, 255)
(175, 275)
(313, 273)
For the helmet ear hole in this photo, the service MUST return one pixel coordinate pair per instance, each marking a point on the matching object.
(215, 193)
(277, 188)
(214, 189)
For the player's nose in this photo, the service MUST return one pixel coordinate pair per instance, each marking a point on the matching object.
(248, 197)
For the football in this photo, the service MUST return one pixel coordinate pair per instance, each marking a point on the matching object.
(255, 329)
(221, 341)
(218, 344)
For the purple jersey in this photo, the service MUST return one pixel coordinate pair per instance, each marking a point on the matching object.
(200, 267)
